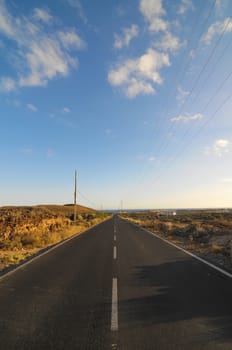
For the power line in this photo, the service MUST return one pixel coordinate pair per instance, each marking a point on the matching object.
(164, 145)
(196, 134)
(88, 200)
(213, 69)
(184, 68)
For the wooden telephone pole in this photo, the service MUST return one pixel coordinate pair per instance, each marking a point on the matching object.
(75, 198)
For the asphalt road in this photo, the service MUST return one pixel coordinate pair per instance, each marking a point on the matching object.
(116, 287)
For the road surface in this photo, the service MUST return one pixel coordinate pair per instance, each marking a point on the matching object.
(116, 287)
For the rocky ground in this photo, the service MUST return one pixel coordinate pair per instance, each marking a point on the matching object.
(205, 233)
(26, 230)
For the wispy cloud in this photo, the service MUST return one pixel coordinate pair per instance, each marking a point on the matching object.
(217, 28)
(139, 75)
(221, 6)
(181, 94)
(32, 107)
(77, 5)
(120, 11)
(219, 148)
(50, 153)
(152, 159)
(7, 84)
(42, 52)
(66, 110)
(16, 103)
(6, 21)
(186, 117)
(185, 6)
(26, 150)
(168, 42)
(127, 35)
(70, 40)
(218, 3)
(42, 15)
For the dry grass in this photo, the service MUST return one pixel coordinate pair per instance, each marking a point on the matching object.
(26, 230)
(206, 233)
(217, 249)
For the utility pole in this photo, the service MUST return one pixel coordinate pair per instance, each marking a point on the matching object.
(75, 197)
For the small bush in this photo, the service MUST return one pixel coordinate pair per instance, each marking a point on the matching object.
(28, 241)
(217, 249)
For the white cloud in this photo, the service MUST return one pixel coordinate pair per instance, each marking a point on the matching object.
(181, 93)
(138, 87)
(192, 54)
(32, 107)
(66, 110)
(137, 76)
(220, 148)
(6, 25)
(42, 15)
(45, 60)
(218, 3)
(186, 117)
(39, 52)
(71, 40)
(120, 11)
(168, 42)
(16, 103)
(50, 153)
(217, 28)
(221, 6)
(185, 6)
(153, 11)
(152, 159)
(26, 150)
(7, 84)
(126, 37)
(77, 5)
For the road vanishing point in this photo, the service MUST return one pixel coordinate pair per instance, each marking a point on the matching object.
(116, 286)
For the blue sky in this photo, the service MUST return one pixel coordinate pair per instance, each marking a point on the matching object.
(135, 95)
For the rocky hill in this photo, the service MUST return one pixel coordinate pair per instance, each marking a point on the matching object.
(25, 230)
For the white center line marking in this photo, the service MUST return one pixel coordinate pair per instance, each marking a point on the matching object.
(114, 238)
(115, 252)
(114, 310)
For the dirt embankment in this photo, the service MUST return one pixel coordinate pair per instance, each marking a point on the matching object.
(26, 230)
(206, 233)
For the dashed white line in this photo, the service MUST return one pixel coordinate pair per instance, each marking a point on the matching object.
(114, 237)
(115, 252)
(114, 310)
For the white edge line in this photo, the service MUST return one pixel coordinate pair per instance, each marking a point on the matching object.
(185, 251)
(23, 264)
(114, 310)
